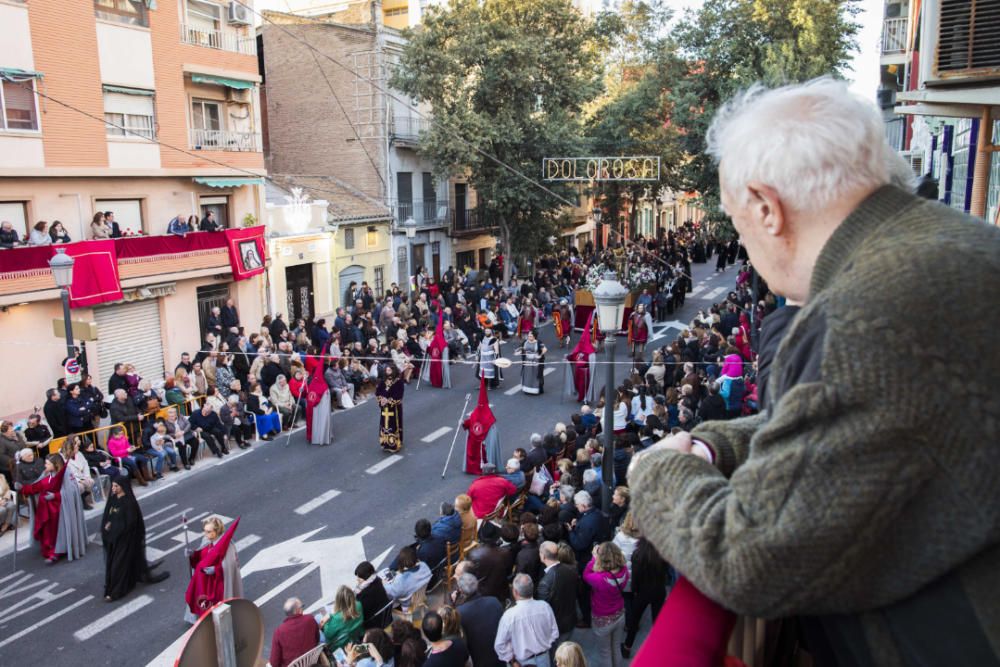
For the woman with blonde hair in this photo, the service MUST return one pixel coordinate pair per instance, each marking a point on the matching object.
(463, 505)
(607, 575)
(451, 623)
(216, 552)
(343, 625)
(570, 654)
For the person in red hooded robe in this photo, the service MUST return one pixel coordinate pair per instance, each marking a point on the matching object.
(436, 369)
(313, 389)
(215, 570)
(48, 488)
(483, 443)
(581, 369)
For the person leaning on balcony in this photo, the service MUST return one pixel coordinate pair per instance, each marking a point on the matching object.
(844, 505)
(99, 229)
(178, 226)
(209, 223)
(9, 238)
(58, 233)
(40, 234)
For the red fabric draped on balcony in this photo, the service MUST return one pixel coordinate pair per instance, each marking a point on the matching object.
(95, 274)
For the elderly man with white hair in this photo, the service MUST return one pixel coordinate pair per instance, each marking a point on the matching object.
(296, 636)
(849, 502)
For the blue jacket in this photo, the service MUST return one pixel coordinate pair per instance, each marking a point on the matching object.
(592, 527)
(448, 528)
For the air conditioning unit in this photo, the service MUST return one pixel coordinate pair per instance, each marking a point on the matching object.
(240, 14)
(238, 95)
(961, 37)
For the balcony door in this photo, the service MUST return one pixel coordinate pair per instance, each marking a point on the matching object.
(206, 121)
(204, 21)
(299, 292)
(461, 221)
(219, 207)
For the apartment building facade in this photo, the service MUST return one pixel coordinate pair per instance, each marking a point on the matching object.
(147, 109)
(940, 95)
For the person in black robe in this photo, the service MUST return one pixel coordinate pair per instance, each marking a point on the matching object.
(123, 534)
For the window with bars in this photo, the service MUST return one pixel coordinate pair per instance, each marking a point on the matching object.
(960, 155)
(19, 105)
(132, 12)
(129, 115)
(379, 282)
(348, 239)
(993, 194)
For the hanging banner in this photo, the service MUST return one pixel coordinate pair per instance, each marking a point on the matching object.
(246, 251)
(586, 169)
(95, 273)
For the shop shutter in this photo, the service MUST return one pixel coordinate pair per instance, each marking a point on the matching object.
(129, 333)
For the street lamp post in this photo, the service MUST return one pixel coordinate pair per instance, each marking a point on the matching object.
(62, 271)
(410, 225)
(610, 299)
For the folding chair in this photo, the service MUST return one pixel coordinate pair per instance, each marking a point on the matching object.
(315, 656)
(414, 610)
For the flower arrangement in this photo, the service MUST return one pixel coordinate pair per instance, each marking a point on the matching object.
(129, 232)
(638, 276)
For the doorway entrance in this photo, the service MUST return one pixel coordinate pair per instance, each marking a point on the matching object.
(299, 293)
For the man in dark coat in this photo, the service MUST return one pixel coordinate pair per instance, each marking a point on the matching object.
(480, 616)
(558, 588)
(277, 327)
(592, 527)
(492, 566)
(117, 380)
(55, 413)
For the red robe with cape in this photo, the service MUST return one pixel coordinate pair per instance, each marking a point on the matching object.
(312, 389)
(478, 425)
(207, 590)
(580, 359)
(435, 353)
(46, 511)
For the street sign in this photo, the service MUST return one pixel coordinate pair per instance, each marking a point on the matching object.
(586, 169)
(81, 330)
(74, 373)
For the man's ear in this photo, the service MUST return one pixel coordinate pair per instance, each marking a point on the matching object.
(766, 208)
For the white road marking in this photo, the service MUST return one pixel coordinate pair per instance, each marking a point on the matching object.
(17, 587)
(714, 293)
(172, 517)
(44, 597)
(301, 574)
(383, 464)
(16, 574)
(191, 519)
(696, 290)
(47, 619)
(247, 542)
(106, 621)
(434, 435)
(549, 370)
(159, 487)
(149, 516)
(305, 508)
(513, 390)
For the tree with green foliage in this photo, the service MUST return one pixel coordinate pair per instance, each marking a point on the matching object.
(506, 81)
(633, 117)
(729, 45)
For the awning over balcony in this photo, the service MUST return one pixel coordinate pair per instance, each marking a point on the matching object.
(239, 84)
(223, 182)
(15, 74)
(128, 91)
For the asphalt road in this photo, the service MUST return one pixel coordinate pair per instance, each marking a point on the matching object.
(309, 515)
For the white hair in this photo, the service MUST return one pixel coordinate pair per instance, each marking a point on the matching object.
(813, 142)
(583, 498)
(589, 475)
(523, 586)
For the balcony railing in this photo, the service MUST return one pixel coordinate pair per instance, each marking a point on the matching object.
(408, 128)
(895, 132)
(224, 140)
(223, 40)
(472, 220)
(423, 212)
(894, 36)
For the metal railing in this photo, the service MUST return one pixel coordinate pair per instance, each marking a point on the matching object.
(423, 211)
(224, 140)
(894, 36)
(223, 40)
(408, 127)
(471, 220)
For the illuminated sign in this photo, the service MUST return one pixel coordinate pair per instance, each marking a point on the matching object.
(641, 168)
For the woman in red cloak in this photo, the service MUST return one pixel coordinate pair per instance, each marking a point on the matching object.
(215, 570)
(47, 507)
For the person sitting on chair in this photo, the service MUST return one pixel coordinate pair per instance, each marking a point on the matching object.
(411, 575)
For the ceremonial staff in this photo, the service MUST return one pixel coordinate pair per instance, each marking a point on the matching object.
(457, 428)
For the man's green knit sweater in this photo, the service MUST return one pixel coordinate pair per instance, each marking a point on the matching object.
(866, 496)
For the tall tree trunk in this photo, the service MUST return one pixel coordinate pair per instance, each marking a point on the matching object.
(505, 249)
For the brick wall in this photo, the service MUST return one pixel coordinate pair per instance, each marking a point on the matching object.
(169, 57)
(64, 40)
(309, 133)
